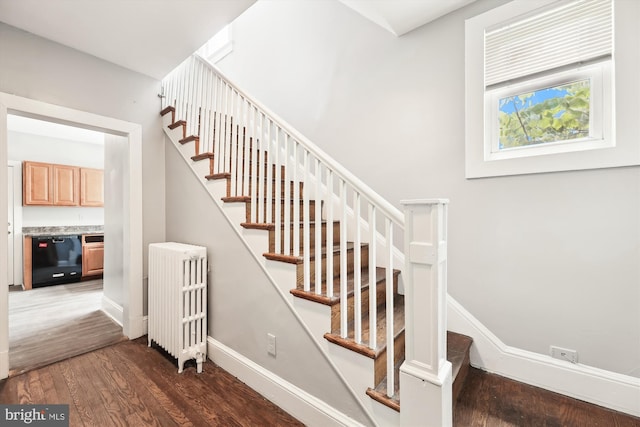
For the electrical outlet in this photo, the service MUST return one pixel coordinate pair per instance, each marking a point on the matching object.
(271, 344)
(564, 354)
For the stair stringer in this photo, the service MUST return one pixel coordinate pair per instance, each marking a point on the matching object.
(216, 192)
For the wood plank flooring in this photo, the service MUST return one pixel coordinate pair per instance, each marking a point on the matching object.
(494, 401)
(130, 384)
(57, 322)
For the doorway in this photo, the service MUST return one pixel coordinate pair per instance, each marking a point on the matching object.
(130, 304)
(52, 323)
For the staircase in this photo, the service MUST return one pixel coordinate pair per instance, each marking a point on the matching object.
(341, 258)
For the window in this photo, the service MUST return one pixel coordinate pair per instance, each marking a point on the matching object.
(540, 92)
(566, 111)
(218, 46)
(549, 114)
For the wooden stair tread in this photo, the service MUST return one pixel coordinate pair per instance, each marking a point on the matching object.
(202, 156)
(236, 199)
(247, 199)
(379, 394)
(272, 226)
(293, 259)
(335, 299)
(177, 124)
(458, 347)
(189, 139)
(222, 175)
(166, 110)
(363, 348)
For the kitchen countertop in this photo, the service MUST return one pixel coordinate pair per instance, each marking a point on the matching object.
(63, 229)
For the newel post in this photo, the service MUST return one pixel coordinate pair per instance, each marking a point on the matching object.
(425, 375)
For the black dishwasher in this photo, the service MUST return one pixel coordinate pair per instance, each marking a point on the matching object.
(56, 259)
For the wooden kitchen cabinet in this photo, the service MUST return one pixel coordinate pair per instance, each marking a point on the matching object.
(37, 183)
(92, 255)
(91, 187)
(65, 185)
(47, 184)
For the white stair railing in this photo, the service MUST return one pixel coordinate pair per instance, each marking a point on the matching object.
(266, 160)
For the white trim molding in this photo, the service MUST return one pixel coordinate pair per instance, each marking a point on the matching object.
(297, 402)
(605, 388)
(133, 324)
(112, 309)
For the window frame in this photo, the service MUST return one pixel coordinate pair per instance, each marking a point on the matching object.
(600, 113)
(622, 147)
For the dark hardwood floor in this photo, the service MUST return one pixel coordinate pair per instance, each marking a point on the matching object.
(130, 384)
(494, 401)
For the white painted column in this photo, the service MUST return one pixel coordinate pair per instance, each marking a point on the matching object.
(425, 375)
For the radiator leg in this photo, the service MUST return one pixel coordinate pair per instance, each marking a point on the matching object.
(199, 360)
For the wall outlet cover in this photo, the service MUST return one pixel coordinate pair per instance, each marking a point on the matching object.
(564, 354)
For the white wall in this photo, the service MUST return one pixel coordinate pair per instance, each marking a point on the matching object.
(24, 146)
(36, 68)
(548, 259)
(243, 305)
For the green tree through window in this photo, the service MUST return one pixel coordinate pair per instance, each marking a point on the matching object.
(552, 114)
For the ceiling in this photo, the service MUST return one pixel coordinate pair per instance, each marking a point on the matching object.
(54, 130)
(153, 36)
(401, 16)
(148, 36)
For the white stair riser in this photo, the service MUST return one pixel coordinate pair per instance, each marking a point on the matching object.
(315, 316)
(283, 274)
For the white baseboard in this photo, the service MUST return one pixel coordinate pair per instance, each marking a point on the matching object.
(605, 388)
(112, 309)
(138, 326)
(297, 402)
(4, 364)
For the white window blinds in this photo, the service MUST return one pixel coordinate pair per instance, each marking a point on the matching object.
(570, 33)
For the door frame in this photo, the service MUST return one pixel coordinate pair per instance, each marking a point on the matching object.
(17, 221)
(132, 256)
